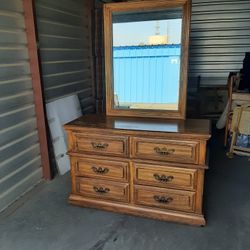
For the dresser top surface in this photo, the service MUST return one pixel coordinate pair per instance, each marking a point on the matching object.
(190, 126)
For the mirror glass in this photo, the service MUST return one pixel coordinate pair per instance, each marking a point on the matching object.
(146, 59)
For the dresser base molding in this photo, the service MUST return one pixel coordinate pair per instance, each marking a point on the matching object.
(166, 215)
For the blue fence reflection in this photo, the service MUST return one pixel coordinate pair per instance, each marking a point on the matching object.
(147, 73)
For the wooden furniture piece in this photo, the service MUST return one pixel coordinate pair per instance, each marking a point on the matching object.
(142, 166)
(234, 98)
(139, 166)
(240, 125)
(145, 11)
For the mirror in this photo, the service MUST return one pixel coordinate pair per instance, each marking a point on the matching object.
(146, 46)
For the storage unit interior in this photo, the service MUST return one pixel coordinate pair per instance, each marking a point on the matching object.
(71, 58)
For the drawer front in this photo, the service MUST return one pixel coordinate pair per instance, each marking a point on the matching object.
(103, 189)
(156, 175)
(102, 145)
(165, 150)
(101, 169)
(165, 198)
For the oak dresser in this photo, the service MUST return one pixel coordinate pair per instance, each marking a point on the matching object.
(146, 167)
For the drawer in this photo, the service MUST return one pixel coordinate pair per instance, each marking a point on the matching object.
(102, 189)
(162, 176)
(165, 150)
(102, 169)
(165, 198)
(102, 145)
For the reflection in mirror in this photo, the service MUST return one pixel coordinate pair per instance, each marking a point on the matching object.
(146, 59)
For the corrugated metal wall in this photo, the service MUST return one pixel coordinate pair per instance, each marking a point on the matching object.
(20, 162)
(65, 46)
(220, 35)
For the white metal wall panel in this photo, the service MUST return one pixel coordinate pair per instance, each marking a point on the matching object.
(64, 34)
(20, 163)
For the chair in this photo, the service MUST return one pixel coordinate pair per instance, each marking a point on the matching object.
(234, 98)
(240, 125)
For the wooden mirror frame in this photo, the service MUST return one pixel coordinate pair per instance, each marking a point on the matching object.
(111, 8)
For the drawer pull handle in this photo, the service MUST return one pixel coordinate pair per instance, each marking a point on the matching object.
(101, 190)
(163, 178)
(99, 145)
(163, 151)
(100, 170)
(163, 199)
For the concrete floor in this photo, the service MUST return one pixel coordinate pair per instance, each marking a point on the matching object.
(44, 220)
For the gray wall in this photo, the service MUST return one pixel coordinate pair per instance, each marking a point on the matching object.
(220, 35)
(64, 35)
(20, 163)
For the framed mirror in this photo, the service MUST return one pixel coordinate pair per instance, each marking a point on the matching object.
(146, 58)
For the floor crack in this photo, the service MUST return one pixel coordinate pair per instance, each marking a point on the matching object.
(99, 245)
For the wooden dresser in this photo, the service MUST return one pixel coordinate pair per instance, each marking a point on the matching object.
(145, 167)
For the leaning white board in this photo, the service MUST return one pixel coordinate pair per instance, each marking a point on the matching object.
(59, 112)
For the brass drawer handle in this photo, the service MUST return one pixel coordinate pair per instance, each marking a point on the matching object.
(100, 170)
(164, 151)
(163, 199)
(99, 145)
(163, 178)
(101, 190)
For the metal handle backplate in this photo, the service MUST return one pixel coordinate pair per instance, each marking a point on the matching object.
(163, 178)
(100, 170)
(101, 190)
(164, 151)
(163, 199)
(99, 145)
